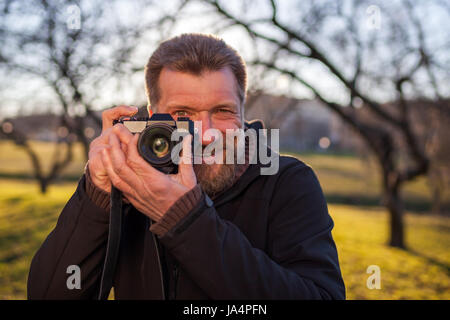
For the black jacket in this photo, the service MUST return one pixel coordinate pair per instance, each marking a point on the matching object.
(267, 237)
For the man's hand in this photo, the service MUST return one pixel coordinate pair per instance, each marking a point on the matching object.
(149, 190)
(97, 171)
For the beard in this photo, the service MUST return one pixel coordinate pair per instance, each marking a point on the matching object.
(215, 178)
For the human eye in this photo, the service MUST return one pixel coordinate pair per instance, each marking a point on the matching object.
(225, 110)
(181, 113)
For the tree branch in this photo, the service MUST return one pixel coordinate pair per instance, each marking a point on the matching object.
(313, 54)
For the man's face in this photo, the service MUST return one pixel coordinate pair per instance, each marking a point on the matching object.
(211, 98)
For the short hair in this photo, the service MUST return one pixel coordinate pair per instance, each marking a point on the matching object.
(193, 53)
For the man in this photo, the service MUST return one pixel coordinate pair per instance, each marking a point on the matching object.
(211, 231)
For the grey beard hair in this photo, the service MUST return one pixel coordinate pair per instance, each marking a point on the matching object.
(213, 180)
(216, 178)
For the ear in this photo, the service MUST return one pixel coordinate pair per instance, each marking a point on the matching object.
(149, 110)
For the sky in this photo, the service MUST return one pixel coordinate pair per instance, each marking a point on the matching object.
(20, 98)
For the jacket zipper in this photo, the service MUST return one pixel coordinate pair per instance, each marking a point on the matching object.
(159, 265)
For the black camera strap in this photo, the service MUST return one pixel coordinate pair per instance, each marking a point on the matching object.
(112, 248)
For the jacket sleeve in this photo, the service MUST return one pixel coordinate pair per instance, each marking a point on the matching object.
(300, 262)
(79, 239)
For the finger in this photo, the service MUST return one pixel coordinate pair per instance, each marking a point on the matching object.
(113, 176)
(185, 167)
(122, 133)
(102, 139)
(119, 163)
(118, 129)
(124, 136)
(124, 148)
(108, 116)
(118, 158)
(99, 141)
(186, 156)
(96, 151)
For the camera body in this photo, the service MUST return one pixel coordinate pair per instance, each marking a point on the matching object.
(155, 144)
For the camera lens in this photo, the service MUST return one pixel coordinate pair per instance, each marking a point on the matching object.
(160, 146)
(155, 144)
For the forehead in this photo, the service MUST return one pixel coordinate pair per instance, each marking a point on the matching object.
(205, 89)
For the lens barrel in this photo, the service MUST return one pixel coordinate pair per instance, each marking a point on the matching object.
(155, 144)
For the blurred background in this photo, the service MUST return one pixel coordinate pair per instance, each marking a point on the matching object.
(359, 90)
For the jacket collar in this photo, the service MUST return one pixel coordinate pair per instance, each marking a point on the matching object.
(252, 172)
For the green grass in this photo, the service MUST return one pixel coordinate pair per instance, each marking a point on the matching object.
(420, 273)
(361, 232)
(14, 163)
(26, 218)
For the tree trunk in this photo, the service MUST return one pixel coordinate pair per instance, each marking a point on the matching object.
(394, 205)
(80, 126)
(43, 184)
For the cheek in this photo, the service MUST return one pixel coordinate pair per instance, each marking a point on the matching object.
(223, 131)
(223, 125)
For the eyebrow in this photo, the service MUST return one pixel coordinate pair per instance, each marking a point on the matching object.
(229, 104)
(179, 106)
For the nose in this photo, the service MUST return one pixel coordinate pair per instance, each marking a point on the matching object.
(206, 124)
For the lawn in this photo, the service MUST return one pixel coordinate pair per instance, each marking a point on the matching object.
(361, 231)
(26, 218)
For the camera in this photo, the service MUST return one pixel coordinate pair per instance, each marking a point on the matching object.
(155, 141)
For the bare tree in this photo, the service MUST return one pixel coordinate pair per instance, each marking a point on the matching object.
(75, 53)
(436, 139)
(63, 153)
(372, 51)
